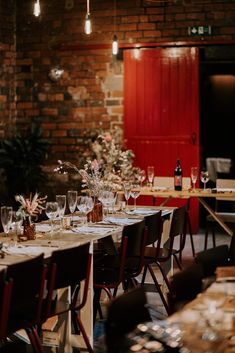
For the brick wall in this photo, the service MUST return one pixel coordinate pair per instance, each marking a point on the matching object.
(7, 68)
(89, 96)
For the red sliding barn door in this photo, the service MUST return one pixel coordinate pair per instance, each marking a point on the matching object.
(161, 117)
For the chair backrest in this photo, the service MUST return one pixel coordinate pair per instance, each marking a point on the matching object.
(136, 240)
(225, 184)
(68, 267)
(178, 227)
(168, 182)
(154, 226)
(28, 279)
(5, 297)
(124, 313)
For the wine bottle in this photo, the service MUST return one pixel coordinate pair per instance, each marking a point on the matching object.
(178, 176)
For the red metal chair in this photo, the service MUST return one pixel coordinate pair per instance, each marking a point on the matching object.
(5, 296)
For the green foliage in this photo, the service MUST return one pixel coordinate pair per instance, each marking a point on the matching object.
(21, 158)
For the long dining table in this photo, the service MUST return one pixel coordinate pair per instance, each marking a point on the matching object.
(77, 234)
(200, 194)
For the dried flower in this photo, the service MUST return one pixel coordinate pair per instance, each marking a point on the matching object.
(30, 207)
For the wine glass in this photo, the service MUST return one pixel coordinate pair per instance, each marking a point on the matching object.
(194, 175)
(6, 218)
(16, 225)
(72, 202)
(135, 192)
(150, 174)
(204, 176)
(61, 200)
(51, 210)
(107, 198)
(142, 176)
(127, 191)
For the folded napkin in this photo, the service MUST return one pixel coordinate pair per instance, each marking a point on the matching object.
(225, 190)
(93, 230)
(43, 227)
(121, 221)
(143, 211)
(26, 250)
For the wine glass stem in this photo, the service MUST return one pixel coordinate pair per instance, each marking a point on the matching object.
(134, 203)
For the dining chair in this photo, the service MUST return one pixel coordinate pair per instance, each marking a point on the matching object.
(124, 313)
(70, 268)
(168, 182)
(161, 254)
(123, 268)
(5, 296)
(223, 208)
(26, 300)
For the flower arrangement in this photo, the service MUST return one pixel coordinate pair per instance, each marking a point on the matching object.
(30, 207)
(110, 167)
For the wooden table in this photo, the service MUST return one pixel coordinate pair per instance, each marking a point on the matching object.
(200, 194)
(67, 238)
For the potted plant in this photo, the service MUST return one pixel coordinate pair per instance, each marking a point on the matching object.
(21, 159)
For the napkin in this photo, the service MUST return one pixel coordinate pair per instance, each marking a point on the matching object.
(94, 230)
(26, 250)
(121, 221)
(43, 227)
(143, 211)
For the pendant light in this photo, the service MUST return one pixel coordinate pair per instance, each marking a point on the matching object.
(115, 39)
(88, 26)
(36, 8)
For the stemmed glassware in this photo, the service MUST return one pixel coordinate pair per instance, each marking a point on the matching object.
(51, 210)
(194, 175)
(107, 198)
(142, 176)
(150, 174)
(135, 192)
(204, 176)
(72, 201)
(85, 205)
(61, 200)
(6, 218)
(127, 191)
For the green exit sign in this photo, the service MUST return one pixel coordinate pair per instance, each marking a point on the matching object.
(199, 30)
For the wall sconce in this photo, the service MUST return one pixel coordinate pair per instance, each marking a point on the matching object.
(36, 8)
(88, 26)
(55, 74)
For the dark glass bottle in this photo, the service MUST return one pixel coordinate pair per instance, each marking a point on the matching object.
(178, 176)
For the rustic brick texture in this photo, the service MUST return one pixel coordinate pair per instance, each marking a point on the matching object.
(89, 96)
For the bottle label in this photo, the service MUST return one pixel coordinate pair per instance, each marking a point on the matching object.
(178, 180)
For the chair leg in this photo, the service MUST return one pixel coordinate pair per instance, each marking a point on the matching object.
(84, 334)
(164, 276)
(213, 237)
(190, 234)
(206, 237)
(35, 340)
(158, 287)
(144, 275)
(177, 261)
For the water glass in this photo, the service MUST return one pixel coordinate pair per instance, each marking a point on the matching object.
(6, 218)
(85, 205)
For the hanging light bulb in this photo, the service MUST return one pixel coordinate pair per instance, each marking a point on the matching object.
(115, 45)
(36, 8)
(88, 26)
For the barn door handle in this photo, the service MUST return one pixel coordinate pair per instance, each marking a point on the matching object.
(193, 138)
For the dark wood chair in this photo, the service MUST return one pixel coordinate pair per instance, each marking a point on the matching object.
(123, 268)
(28, 283)
(68, 268)
(161, 255)
(5, 297)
